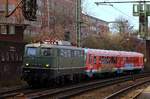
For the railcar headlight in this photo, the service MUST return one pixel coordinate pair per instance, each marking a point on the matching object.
(27, 64)
(47, 65)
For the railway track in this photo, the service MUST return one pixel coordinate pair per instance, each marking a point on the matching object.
(12, 91)
(117, 94)
(69, 91)
(17, 91)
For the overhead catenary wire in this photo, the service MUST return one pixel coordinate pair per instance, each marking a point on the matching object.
(121, 11)
(98, 3)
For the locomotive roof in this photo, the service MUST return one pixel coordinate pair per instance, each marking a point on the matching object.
(52, 46)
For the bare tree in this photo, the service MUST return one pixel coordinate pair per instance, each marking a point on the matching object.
(122, 26)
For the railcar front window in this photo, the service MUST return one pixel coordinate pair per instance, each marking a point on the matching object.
(31, 51)
(46, 52)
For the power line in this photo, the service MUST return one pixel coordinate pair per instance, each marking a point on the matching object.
(122, 12)
(98, 3)
(109, 4)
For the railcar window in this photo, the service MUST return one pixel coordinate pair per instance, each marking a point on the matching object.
(31, 51)
(104, 60)
(127, 59)
(100, 60)
(107, 60)
(46, 51)
(90, 59)
(113, 60)
(94, 59)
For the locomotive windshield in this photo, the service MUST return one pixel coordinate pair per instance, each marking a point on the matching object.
(31, 51)
(46, 51)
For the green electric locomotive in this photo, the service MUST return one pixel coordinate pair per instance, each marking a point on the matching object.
(52, 64)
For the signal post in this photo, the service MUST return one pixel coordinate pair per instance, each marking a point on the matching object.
(143, 11)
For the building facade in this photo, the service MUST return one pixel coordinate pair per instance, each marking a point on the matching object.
(11, 43)
(93, 26)
(54, 19)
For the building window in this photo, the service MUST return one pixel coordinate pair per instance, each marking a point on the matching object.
(11, 7)
(11, 29)
(2, 8)
(3, 29)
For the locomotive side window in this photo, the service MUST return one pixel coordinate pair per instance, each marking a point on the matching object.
(62, 52)
(46, 51)
(65, 53)
(77, 53)
(69, 53)
(31, 51)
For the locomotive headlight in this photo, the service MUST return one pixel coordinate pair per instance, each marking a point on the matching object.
(27, 64)
(47, 65)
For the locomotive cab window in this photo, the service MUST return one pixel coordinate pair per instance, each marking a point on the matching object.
(46, 51)
(31, 51)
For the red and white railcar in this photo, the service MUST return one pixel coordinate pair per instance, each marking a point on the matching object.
(101, 61)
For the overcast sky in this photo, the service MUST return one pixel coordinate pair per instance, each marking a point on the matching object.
(109, 13)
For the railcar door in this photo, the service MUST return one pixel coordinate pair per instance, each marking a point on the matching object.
(89, 65)
(95, 63)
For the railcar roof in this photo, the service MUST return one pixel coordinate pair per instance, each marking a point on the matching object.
(52, 46)
(114, 53)
(131, 54)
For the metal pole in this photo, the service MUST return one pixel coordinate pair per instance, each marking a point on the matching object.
(78, 20)
(146, 22)
(48, 16)
(140, 23)
(6, 7)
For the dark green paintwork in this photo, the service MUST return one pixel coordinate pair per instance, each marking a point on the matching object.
(56, 61)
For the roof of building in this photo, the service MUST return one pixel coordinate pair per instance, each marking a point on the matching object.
(92, 17)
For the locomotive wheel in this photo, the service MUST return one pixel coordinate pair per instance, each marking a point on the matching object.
(56, 81)
(33, 84)
(76, 78)
(62, 80)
